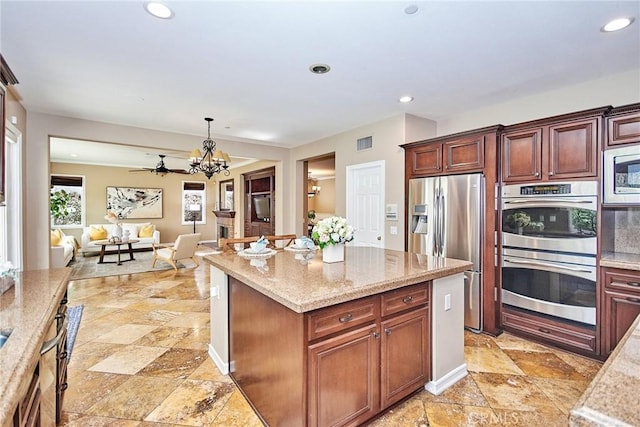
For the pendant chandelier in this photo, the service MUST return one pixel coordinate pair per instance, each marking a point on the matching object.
(212, 161)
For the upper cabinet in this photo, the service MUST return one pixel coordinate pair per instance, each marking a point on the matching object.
(459, 153)
(623, 125)
(558, 148)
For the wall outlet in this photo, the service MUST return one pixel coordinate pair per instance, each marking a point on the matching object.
(447, 302)
(393, 230)
(215, 292)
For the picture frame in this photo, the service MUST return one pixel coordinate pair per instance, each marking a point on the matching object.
(194, 193)
(225, 196)
(133, 202)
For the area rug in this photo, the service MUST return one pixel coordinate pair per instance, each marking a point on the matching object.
(74, 314)
(86, 267)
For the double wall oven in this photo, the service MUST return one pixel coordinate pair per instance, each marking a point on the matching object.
(549, 249)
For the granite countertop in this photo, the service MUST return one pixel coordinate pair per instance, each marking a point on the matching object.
(620, 260)
(25, 309)
(612, 397)
(303, 284)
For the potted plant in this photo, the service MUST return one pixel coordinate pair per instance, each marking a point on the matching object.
(331, 234)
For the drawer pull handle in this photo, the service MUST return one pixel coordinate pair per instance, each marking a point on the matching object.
(62, 355)
(407, 300)
(376, 335)
(59, 316)
(345, 319)
(64, 386)
(633, 299)
(544, 331)
(636, 284)
(387, 331)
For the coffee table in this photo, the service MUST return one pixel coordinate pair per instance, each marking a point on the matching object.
(106, 243)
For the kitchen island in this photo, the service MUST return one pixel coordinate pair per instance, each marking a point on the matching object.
(311, 343)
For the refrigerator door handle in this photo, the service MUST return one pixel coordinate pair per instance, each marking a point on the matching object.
(443, 227)
(466, 280)
(435, 223)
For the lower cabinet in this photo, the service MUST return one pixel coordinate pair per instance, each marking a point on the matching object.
(356, 373)
(621, 305)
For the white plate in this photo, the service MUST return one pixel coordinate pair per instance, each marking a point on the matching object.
(293, 248)
(248, 253)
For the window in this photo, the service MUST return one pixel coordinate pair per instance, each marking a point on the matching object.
(194, 202)
(67, 201)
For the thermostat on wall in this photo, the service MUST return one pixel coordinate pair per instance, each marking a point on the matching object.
(392, 212)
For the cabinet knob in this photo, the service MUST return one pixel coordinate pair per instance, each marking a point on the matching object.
(407, 300)
(636, 284)
(537, 173)
(544, 330)
(387, 331)
(344, 319)
(376, 335)
(550, 173)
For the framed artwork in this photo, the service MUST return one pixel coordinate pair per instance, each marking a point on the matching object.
(226, 195)
(194, 202)
(129, 202)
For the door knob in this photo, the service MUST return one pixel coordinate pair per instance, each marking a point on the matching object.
(379, 237)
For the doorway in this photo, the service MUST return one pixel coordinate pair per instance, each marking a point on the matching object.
(11, 236)
(320, 189)
(365, 203)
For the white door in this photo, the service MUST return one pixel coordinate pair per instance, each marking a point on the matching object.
(365, 203)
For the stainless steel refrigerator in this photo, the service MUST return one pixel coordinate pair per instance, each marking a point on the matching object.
(446, 219)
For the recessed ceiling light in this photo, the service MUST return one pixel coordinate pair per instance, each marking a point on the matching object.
(158, 9)
(319, 68)
(73, 155)
(617, 24)
(411, 9)
(405, 99)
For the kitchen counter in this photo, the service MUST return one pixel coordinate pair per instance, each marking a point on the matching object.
(307, 284)
(25, 310)
(620, 260)
(288, 323)
(612, 397)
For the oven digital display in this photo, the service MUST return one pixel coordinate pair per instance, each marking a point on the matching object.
(545, 189)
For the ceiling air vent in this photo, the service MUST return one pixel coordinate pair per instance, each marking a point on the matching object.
(365, 143)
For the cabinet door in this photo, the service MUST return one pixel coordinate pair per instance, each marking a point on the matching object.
(621, 310)
(405, 355)
(521, 155)
(463, 155)
(344, 378)
(573, 149)
(426, 160)
(623, 129)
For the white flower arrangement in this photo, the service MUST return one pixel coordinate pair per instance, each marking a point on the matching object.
(331, 231)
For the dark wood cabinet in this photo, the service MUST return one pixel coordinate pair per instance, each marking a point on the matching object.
(259, 212)
(621, 301)
(374, 366)
(559, 148)
(623, 125)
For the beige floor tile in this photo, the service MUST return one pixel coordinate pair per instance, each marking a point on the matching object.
(199, 305)
(209, 371)
(529, 419)
(481, 359)
(90, 330)
(86, 355)
(150, 304)
(197, 339)
(513, 392)
(587, 367)
(543, 364)
(479, 340)
(91, 421)
(237, 413)
(464, 392)
(125, 334)
(135, 398)
(409, 413)
(175, 363)
(87, 387)
(564, 393)
(163, 336)
(507, 341)
(193, 403)
(191, 320)
(450, 415)
(129, 360)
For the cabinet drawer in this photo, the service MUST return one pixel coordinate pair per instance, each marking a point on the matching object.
(405, 298)
(561, 335)
(622, 280)
(327, 321)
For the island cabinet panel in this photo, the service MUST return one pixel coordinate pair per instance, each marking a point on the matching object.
(344, 378)
(405, 357)
(267, 355)
(621, 302)
(343, 316)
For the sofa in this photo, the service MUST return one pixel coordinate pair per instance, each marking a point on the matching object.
(145, 232)
(63, 249)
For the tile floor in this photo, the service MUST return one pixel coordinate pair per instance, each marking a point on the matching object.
(140, 359)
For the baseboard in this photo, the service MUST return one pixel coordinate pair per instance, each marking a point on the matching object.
(438, 386)
(222, 366)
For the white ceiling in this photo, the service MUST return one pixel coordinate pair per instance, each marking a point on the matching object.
(245, 63)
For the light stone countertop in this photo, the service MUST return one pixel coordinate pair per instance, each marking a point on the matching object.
(26, 309)
(612, 397)
(620, 260)
(304, 285)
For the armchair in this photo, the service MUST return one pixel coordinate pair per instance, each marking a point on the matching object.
(184, 247)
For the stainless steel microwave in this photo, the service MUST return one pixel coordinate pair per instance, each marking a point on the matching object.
(622, 175)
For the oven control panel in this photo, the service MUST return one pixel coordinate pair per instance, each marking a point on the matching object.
(531, 190)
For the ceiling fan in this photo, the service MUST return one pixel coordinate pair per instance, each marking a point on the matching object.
(160, 168)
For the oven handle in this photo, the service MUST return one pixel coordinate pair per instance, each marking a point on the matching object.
(545, 264)
(532, 201)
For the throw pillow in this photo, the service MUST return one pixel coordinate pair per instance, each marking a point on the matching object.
(147, 230)
(97, 233)
(56, 237)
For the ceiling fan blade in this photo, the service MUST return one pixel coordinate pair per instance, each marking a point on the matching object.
(182, 171)
(142, 170)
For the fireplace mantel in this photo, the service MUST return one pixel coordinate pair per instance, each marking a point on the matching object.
(225, 214)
